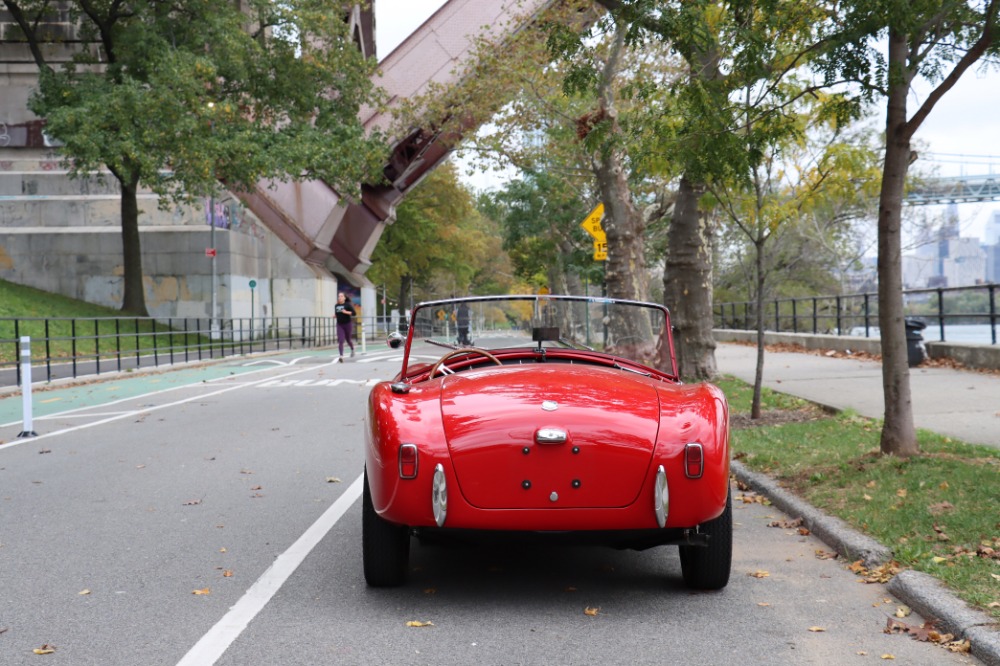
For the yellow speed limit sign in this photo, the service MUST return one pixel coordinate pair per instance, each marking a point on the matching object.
(600, 251)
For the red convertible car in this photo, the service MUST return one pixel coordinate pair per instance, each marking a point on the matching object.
(552, 415)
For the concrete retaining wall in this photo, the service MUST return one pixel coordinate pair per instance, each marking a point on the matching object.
(64, 236)
(972, 356)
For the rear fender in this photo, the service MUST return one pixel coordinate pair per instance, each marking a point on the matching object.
(395, 419)
(695, 413)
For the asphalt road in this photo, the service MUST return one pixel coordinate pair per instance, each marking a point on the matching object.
(242, 483)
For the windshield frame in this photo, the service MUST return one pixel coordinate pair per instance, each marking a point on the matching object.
(410, 370)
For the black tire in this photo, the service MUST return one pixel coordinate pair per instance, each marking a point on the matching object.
(708, 567)
(385, 547)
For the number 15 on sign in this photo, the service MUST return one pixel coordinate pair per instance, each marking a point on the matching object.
(600, 251)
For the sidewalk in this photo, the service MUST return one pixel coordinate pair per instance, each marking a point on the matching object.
(958, 403)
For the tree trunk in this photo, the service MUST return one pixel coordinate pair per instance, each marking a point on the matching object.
(898, 434)
(758, 379)
(687, 284)
(625, 272)
(134, 298)
(405, 283)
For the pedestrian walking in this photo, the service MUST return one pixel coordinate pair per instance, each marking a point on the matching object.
(344, 312)
(462, 317)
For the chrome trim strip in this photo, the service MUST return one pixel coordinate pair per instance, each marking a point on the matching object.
(661, 497)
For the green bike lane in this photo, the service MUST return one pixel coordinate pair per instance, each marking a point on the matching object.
(89, 392)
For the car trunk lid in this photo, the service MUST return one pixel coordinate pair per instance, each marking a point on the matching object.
(550, 435)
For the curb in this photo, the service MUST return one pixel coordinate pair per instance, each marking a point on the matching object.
(921, 592)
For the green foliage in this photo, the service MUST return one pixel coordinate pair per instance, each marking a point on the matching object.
(179, 97)
(540, 217)
(802, 215)
(439, 241)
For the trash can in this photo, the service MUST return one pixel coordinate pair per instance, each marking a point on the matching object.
(916, 353)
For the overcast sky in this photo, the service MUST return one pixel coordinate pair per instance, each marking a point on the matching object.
(966, 122)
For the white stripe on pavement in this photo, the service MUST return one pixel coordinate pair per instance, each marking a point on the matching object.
(218, 639)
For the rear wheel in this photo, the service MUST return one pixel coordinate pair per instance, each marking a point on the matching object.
(708, 567)
(385, 547)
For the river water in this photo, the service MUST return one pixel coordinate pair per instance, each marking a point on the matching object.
(961, 333)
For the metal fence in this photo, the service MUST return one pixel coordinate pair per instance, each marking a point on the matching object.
(78, 346)
(953, 314)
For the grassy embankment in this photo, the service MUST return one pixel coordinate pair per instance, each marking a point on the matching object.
(97, 328)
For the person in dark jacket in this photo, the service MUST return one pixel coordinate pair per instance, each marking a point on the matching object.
(462, 317)
(345, 313)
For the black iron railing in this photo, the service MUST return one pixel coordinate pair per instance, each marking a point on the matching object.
(955, 314)
(72, 347)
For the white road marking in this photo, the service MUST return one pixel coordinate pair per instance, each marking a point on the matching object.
(398, 358)
(227, 378)
(154, 408)
(272, 361)
(312, 383)
(214, 644)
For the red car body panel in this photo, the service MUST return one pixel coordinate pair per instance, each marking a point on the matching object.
(478, 424)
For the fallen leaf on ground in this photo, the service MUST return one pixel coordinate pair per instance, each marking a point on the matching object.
(903, 611)
(939, 508)
(228, 573)
(961, 647)
(192, 502)
(202, 591)
(881, 574)
(753, 499)
(417, 623)
(760, 573)
(816, 630)
(332, 479)
(45, 649)
(786, 524)
(888, 656)
(591, 611)
(83, 592)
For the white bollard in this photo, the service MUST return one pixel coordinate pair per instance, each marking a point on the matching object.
(26, 387)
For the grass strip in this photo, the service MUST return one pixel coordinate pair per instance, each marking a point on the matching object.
(939, 512)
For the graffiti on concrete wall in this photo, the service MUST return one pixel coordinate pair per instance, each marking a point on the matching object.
(229, 213)
(22, 135)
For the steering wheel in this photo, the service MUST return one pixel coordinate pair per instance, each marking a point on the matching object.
(459, 352)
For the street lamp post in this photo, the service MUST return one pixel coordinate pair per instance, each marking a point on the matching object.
(212, 321)
(215, 278)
